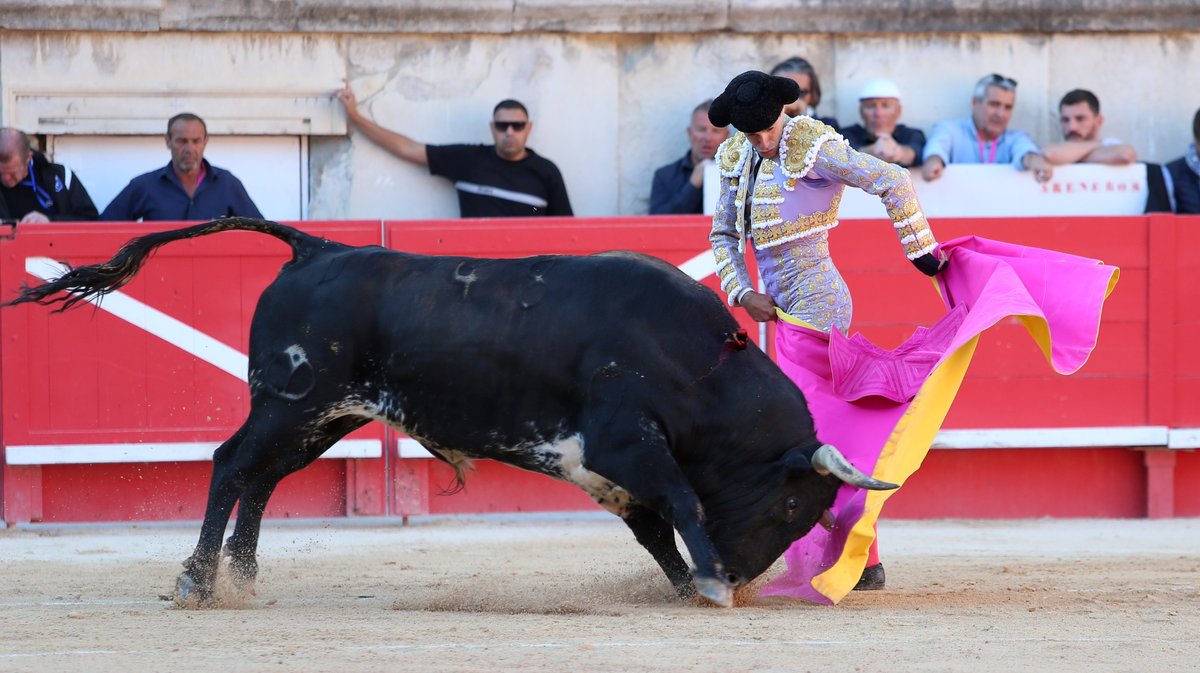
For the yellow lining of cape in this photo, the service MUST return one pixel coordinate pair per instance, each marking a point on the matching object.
(909, 443)
(789, 318)
(903, 453)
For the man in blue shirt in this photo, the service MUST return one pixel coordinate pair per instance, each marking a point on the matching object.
(678, 187)
(188, 188)
(984, 136)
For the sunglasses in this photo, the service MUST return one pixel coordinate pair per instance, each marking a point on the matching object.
(503, 127)
(1003, 81)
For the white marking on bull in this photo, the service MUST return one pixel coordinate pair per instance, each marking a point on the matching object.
(297, 355)
(386, 409)
(465, 278)
(566, 453)
(296, 358)
(561, 457)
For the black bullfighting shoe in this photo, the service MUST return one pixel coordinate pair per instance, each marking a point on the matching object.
(872, 578)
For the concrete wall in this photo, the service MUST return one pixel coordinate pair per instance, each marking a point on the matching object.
(609, 86)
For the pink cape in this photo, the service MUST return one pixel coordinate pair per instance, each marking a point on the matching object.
(882, 409)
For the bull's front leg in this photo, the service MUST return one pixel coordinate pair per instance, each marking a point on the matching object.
(625, 444)
(657, 536)
(641, 463)
(652, 478)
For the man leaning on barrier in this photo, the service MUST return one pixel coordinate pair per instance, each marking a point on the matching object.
(983, 137)
(32, 189)
(1080, 120)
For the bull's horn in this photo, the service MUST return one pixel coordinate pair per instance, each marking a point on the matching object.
(828, 460)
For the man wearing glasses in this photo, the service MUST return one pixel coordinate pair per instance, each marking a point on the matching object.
(506, 179)
(984, 136)
(34, 190)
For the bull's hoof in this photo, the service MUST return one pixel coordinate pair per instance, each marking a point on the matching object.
(715, 590)
(188, 591)
(242, 572)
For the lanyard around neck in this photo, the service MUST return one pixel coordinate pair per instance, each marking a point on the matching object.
(43, 197)
(991, 159)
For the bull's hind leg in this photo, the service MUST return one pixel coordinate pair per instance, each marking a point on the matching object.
(242, 546)
(272, 440)
(200, 569)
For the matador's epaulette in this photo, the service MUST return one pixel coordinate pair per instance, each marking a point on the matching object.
(802, 139)
(731, 155)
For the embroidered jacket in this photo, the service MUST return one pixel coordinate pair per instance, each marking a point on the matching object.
(797, 194)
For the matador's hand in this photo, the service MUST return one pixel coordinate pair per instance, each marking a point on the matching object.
(931, 263)
(759, 306)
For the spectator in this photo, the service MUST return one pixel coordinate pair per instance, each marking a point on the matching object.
(506, 179)
(679, 186)
(881, 135)
(187, 188)
(34, 190)
(801, 72)
(1183, 175)
(984, 137)
(1080, 120)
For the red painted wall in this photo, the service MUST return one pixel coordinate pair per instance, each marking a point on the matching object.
(88, 377)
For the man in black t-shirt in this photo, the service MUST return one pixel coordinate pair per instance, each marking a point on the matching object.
(32, 189)
(503, 180)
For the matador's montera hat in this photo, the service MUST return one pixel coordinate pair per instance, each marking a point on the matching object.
(752, 101)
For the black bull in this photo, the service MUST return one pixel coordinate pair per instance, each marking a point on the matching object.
(615, 372)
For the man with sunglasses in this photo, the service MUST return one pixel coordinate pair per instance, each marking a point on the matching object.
(506, 179)
(804, 75)
(983, 137)
(32, 189)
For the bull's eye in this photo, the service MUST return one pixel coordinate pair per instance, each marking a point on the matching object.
(791, 507)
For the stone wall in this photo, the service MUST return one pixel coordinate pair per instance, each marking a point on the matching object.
(609, 85)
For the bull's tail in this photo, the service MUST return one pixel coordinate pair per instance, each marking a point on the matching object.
(96, 280)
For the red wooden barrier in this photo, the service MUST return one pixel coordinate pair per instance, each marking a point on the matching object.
(102, 420)
(95, 386)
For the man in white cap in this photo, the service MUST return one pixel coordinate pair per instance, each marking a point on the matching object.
(881, 134)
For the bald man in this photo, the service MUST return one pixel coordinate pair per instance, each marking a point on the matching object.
(32, 189)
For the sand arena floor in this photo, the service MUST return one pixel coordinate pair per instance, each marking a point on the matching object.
(576, 593)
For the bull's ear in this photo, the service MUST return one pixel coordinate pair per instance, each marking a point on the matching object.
(797, 459)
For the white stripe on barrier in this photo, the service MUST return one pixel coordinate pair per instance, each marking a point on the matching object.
(701, 266)
(161, 325)
(995, 438)
(408, 447)
(156, 452)
(1183, 438)
(1050, 438)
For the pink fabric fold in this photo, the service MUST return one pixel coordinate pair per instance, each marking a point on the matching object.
(857, 392)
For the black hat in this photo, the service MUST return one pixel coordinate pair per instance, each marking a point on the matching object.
(752, 101)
